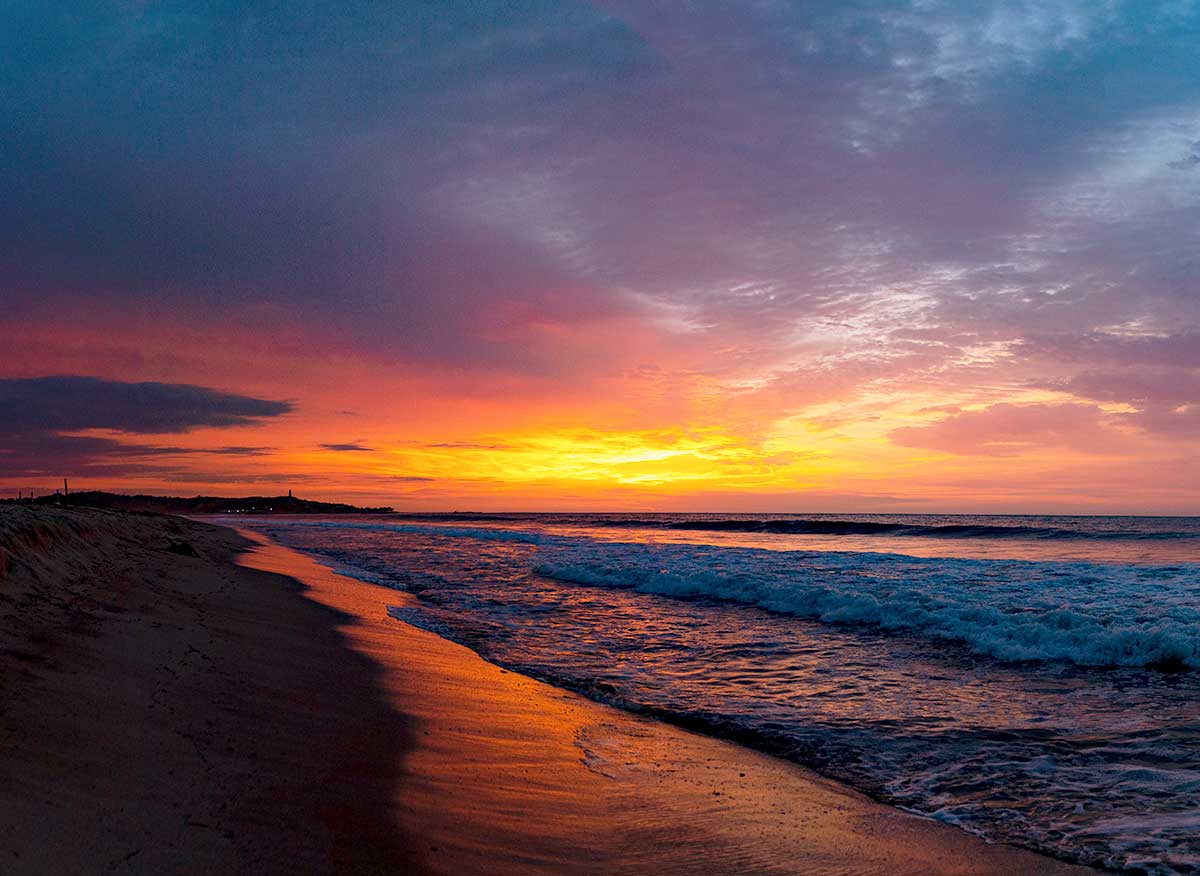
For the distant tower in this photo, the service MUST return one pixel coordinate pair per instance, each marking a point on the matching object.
(289, 494)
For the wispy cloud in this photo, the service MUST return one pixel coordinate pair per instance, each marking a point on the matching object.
(471, 223)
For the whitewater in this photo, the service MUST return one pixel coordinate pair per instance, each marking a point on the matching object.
(1033, 680)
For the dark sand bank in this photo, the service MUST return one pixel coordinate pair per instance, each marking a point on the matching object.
(165, 712)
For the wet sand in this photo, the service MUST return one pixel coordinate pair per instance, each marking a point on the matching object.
(171, 713)
(508, 775)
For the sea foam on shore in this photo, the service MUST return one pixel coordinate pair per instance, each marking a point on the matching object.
(1018, 698)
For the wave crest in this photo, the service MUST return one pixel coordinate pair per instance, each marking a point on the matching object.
(1088, 614)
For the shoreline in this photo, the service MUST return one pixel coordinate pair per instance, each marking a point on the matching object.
(625, 793)
(180, 698)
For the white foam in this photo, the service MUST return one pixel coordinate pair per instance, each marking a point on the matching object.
(1088, 614)
(480, 533)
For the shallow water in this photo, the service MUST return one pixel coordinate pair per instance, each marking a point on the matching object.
(1035, 680)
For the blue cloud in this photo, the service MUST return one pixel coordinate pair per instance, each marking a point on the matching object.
(409, 176)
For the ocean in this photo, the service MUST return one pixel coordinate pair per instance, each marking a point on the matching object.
(1031, 679)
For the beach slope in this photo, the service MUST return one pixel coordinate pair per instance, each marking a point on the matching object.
(180, 698)
(166, 711)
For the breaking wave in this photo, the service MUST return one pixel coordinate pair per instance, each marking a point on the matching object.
(819, 526)
(1087, 614)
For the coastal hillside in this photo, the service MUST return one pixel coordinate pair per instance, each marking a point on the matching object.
(288, 504)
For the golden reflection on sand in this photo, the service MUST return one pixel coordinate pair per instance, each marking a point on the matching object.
(512, 776)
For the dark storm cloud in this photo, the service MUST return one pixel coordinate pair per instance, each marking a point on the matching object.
(73, 403)
(35, 414)
(347, 448)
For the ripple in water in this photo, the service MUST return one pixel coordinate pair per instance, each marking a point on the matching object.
(1047, 703)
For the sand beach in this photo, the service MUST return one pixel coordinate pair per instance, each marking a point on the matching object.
(183, 698)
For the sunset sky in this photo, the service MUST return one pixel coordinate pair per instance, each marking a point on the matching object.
(743, 256)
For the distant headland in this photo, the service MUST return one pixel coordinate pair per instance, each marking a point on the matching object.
(288, 504)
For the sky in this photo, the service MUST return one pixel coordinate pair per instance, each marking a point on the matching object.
(742, 256)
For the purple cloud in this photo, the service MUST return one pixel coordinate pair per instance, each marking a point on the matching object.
(1009, 430)
(36, 415)
(767, 205)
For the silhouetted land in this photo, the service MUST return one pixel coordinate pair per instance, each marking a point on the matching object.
(202, 504)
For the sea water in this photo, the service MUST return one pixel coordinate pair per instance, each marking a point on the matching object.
(1031, 679)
